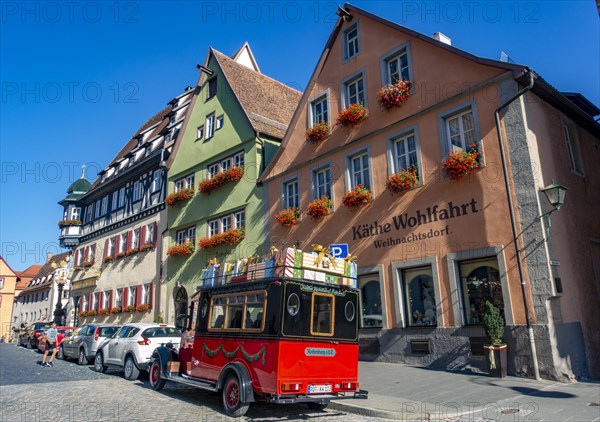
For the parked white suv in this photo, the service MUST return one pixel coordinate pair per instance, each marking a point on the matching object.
(131, 347)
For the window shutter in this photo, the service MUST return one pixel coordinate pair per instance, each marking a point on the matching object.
(110, 299)
(151, 300)
(93, 257)
(106, 242)
(117, 244)
(77, 258)
(142, 238)
(81, 303)
(90, 301)
(129, 240)
(155, 228)
(138, 294)
(100, 299)
(124, 295)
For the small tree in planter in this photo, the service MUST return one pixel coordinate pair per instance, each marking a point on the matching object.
(288, 217)
(459, 164)
(353, 115)
(317, 133)
(357, 197)
(495, 351)
(319, 208)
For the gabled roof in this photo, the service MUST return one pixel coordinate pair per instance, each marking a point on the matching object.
(44, 276)
(245, 54)
(268, 104)
(27, 275)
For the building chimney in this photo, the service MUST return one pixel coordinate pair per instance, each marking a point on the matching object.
(442, 38)
(48, 257)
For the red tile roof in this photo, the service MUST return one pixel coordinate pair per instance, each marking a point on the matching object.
(27, 275)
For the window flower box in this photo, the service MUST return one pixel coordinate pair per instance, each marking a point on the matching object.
(288, 217)
(147, 247)
(120, 255)
(232, 174)
(104, 312)
(91, 312)
(129, 308)
(317, 133)
(459, 164)
(131, 251)
(319, 208)
(394, 95)
(179, 196)
(108, 259)
(357, 197)
(353, 115)
(184, 249)
(115, 310)
(403, 180)
(144, 307)
(69, 222)
(83, 314)
(230, 237)
(88, 264)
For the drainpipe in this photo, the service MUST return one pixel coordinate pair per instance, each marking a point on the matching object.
(536, 369)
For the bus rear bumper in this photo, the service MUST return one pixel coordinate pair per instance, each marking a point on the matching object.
(319, 398)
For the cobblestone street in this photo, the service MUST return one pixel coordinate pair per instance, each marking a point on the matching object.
(68, 392)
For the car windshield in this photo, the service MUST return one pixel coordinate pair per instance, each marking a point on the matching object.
(161, 332)
(107, 331)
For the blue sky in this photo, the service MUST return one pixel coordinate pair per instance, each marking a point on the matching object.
(78, 78)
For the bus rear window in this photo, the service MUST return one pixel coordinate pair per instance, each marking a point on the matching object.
(238, 311)
(322, 314)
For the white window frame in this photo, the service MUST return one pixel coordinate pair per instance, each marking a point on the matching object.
(364, 172)
(111, 247)
(321, 189)
(105, 205)
(84, 305)
(137, 191)
(213, 228)
(210, 125)
(348, 83)
(105, 299)
(459, 117)
(200, 132)
(122, 197)
(393, 142)
(118, 298)
(225, 223)
(115, 201)
(131, 295)
(219, 122)
(122, 243)
(319, 116)
(94, 304)
(157, 181)
(240, 219)
(135, 239)
(97, 209)
(180, 237)
(146, 293)
(404, 72)
(213, 169)
(291, 199)
(149, 234)
(75, 213)
(348, 42)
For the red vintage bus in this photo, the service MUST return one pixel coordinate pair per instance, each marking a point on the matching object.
(277, 340)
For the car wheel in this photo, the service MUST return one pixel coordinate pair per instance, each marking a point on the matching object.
(60, 354)
(99, 365)
(156, 380)
(232, 400)
(317, 406)
(82, 359)
(131, 371)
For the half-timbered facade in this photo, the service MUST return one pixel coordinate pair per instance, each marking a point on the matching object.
(118, 255)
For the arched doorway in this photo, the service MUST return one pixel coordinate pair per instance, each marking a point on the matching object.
(181, 307)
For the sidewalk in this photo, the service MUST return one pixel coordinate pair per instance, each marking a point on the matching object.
(403, 392)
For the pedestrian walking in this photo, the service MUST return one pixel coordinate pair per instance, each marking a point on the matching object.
(51, 336)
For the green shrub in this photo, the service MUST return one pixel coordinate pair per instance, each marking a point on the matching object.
(493, 323)
(158, 319)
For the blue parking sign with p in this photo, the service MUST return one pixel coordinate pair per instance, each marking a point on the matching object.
(339, 250)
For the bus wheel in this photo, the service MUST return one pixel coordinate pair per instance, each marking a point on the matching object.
(317, 406)
(232, 401)
(156, 381)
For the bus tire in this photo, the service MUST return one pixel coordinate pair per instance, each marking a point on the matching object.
(157, 382)
(232, 400)
(312, 405)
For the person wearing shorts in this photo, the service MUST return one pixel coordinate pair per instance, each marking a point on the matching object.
(51, 336)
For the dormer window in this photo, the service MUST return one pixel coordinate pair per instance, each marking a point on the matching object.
(351, 42)
(172, 120)
(140, 141)
(212, 88)
(168, 137)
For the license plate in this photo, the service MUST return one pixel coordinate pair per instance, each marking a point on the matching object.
(319, 389)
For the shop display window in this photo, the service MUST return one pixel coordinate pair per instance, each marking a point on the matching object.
(480, 282)
(372, 316)
(419, 297)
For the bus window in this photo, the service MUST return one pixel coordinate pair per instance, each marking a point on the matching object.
(254, 311)
(322, 315)
(235, 311)
(217, 315)
(238, 311)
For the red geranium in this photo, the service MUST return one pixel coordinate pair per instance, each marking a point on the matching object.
(403, 180)
(181, 250)
(233, 174)
(144, 307)
(394, 95)
(319, 207)
(180, 195)
(288, 217)
(357, 197)
(115, 310)
(69, 222)
(317, 133)
(104, 311)
(352, 115)
(230, 237)
(460, 164)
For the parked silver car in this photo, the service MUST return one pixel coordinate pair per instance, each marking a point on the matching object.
(84, 343)
(131, 347)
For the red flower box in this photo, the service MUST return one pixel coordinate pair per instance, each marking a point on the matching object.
(179, 196)
(91, 312)
(403, 180)
(317, 133)
(319, 208)
(288, 217)
(147, 247)
(352, 115)
(83, 314)
(131, 251)
(230, 237)
(129, 308)
(357, 197)
(88, 264)
(104, 312)
(459, 164)
(394, 95)
(120, 255)
(144, 307)
(233, 174)
(184, 249)
(108, 259)
(115, 310)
